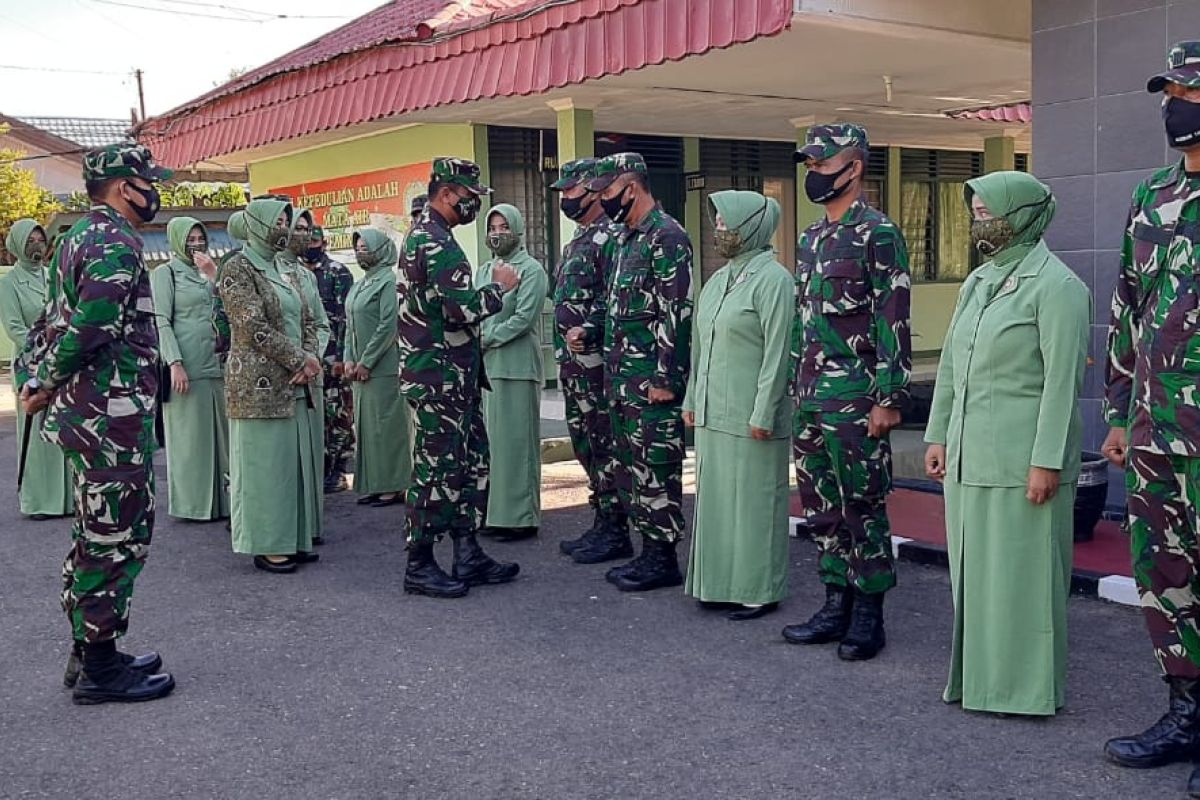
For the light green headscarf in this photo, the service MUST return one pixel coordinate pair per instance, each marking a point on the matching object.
(178, 231)
(754, 215)
(18, 238)
(1020, 198)
(381, 245)
(236, 227)
(516, 223)
(260, 223)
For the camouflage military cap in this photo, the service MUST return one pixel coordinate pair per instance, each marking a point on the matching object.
(1183, 67)
(575, 172)
(826, 141)
(459, 171)
(316, 234)
(418, 204)
(610, 168)
(125, 160)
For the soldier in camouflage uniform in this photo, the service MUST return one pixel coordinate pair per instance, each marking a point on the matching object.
(852, 357)
(1153, 406)
(93, 359)
(580, 298)
(647, 341)
(441, 377)
(333, 283)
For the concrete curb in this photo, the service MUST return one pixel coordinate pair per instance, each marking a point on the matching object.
(1113, 588)
(555, 450)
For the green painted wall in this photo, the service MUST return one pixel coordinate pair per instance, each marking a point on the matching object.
(395, 148)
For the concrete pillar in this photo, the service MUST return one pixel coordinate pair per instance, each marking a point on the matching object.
(693, 211)
(999, 153)
(576, 139)
(479, 136)
(893, 202)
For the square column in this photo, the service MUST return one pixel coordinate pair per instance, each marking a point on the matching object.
(999, 153)
(576, 139)
(693, 212)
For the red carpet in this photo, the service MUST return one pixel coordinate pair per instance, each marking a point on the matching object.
(919, 516)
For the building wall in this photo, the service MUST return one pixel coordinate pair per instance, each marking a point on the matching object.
(1097, 133)
(409, 145)
(59, 176)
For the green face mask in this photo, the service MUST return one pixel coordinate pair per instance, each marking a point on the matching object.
(503, 244)
(990, 236)
(728, 243)
(367, 260)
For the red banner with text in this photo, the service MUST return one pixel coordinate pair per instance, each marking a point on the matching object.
(342, 205)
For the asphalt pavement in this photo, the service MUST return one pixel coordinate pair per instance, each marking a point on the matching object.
(332, 683)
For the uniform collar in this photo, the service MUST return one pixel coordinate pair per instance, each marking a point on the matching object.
(118, 219)
(438, 219)
(1169, 177)
(651, 218)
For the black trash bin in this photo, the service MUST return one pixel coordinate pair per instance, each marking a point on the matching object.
(1091, 495)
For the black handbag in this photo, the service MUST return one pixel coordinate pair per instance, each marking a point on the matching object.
(164, 369)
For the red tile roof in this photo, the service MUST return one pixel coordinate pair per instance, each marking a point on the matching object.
(1013, 113)
(500, 48)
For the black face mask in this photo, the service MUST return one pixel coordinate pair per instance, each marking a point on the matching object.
(617, 209)
(467, 208)
(152, 200)
(821, 189)
(313, 255)
(1182, 121)
(574, 208)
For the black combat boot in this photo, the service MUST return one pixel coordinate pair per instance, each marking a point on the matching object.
(830, 623)
(609, 543)
(106, 678)
(656, 568)
(335, 477)
(424, 576)
(475, 568)
(1175, 737)
(1193, 789)
(569, 546)
(148, 663)
(865, 638)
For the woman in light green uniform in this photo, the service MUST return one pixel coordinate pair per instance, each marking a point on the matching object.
(275, 473)
(48, 488)
(194, 418)
(512, 359)
(737, 401)
(289, 265)
(383, 463)
(1005, 435)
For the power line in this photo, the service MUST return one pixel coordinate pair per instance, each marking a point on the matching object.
(265, 16)
(61, 69)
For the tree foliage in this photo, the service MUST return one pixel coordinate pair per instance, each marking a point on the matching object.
(184, 195)
(20, 195)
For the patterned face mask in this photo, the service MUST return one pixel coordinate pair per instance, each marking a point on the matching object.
(990, 236)
(502, 244)
(35, 251)
(728, 243)
(278, 239)
(367, 259)
(298, 242)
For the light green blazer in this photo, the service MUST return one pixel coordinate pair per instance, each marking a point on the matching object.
(511, 346)
(740, 349)
(371, 309)
(1007, 393)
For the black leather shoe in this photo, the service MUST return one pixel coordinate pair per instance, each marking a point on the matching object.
(306, 557)
(1175, 737)
(336, 482)
(829, 624)
(148, 663)
(611, 544)
(318, 541)
(716, 605)
(126, 686)
(866, 637)
(569, 546)
(1193, 788)
(475, 568)
(367, 499)
(512, 534)
(423, 575)
(752, 612)
(396, 499)
(278, 567)
(656, 568)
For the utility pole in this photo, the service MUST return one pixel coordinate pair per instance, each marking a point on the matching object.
(137, 73)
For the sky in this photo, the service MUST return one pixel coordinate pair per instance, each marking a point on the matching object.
(52, 49)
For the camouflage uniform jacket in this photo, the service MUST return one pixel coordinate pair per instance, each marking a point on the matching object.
(647, 342)
(851, 339)
(99, 344)
(333, 284)
(581, 294)
(440, 312)
(1153, 375)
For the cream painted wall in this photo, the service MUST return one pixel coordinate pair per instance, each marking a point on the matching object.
(409, 145)
(58, 175)
(932, 308)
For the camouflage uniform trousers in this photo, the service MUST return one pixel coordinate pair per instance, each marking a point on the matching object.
(648, 440)
(844, 477)
(114, 521)
(449, 490)
(1163, 492)
(590, 427)
(339, 421)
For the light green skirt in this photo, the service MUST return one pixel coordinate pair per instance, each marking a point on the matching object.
(1010, 574)
(275, 483)
(197, 434)
(511, 411)
(740, 547)
(49, 487)
(382, 422)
